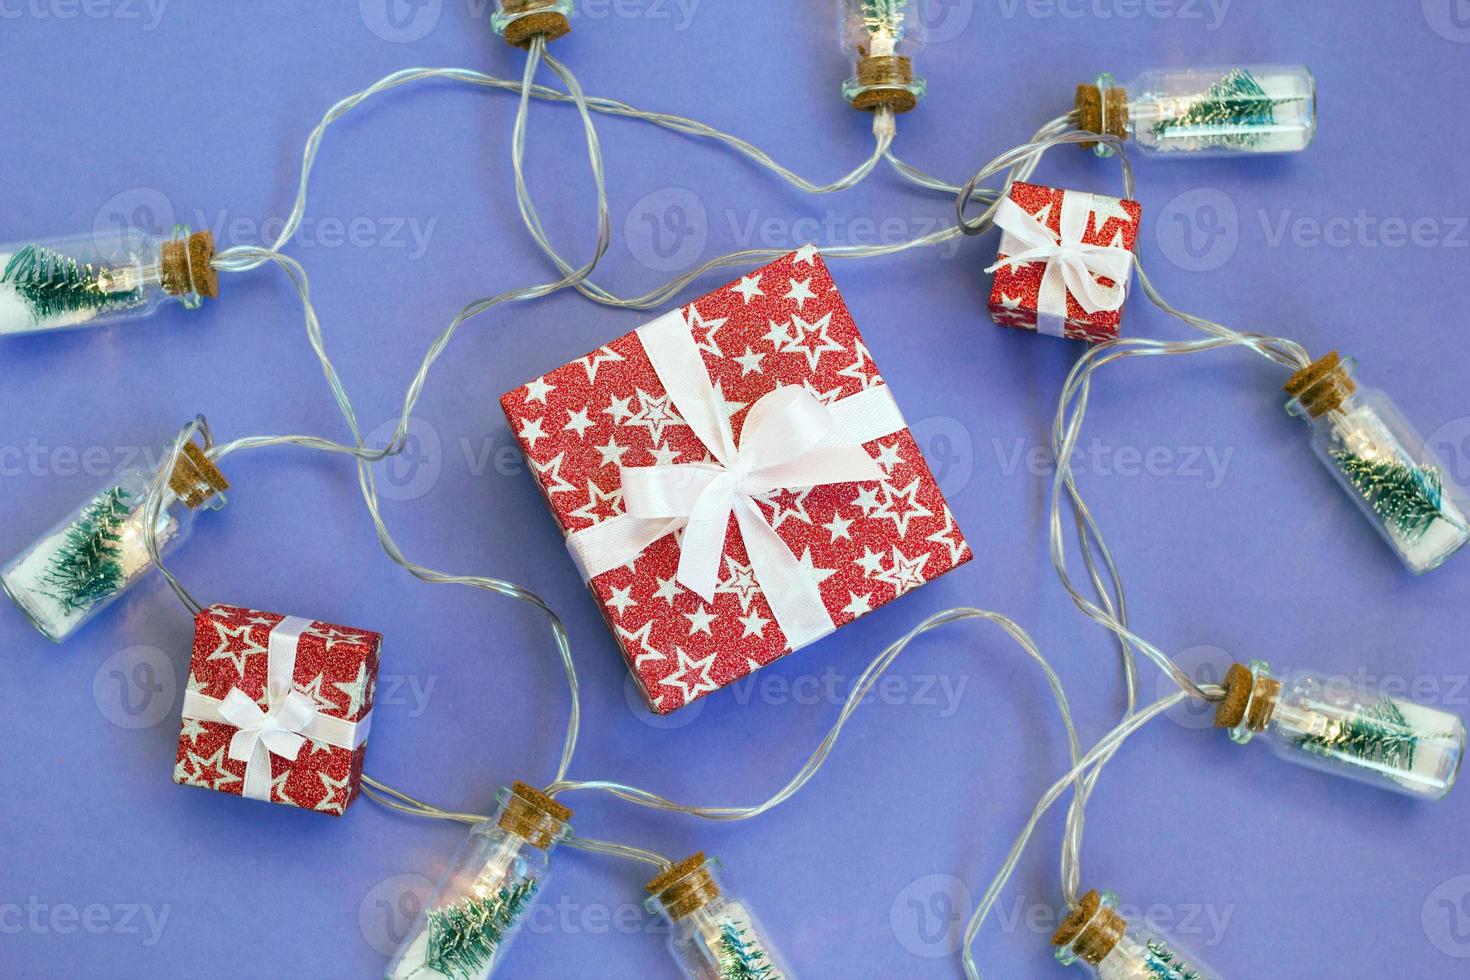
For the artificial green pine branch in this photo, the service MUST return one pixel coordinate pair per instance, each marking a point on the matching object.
(1379, 735)
(887, 15)
(1165, 964)
(741, 956)
(1236, 103)
(52, 284)
(464, 937)
(87, 568)
(1408, 498)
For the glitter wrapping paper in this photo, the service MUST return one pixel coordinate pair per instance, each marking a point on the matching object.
(864, 544)
(336, 667)
(1017, 289)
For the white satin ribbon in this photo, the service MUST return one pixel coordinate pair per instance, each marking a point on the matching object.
(282, 730)
(790, 441)
(1070, 264)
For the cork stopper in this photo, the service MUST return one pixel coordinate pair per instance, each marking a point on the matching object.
(185, 266)
(533, 816)
(1091, 929)
(1322, 386)
(1248, 699)
(195, 478)
(550, 24)
(686, 887)
(1097, 107)
(884, 78)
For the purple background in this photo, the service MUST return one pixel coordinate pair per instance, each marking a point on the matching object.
(119, 109)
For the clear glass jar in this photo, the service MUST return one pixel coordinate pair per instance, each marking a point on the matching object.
(711, 936)
(1199, 112)
(881, 37)
(519, 21)
(1399, 483)
(479, 907)
(94, 280)
(1344, 728)
(97, 552)
(1095, 935)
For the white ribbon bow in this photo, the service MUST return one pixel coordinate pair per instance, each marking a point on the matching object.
(790, 441)
(1071, 265)
(282, 730)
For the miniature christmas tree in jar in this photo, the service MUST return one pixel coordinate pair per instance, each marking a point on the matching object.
(1201, 112)
(712, 936)
(480, 905)
(1397, 481)
(1095, 935)
(880, 37)
(1345, 729)
(96, 553)
(94, 280)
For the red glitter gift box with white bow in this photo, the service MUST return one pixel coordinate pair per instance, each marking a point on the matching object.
(1065, 261)
(277, 708)
(734, 480)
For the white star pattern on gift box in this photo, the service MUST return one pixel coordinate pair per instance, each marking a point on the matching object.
(336, 636)
(949, 536)
(210, 773)
(731, 409)
(888, 457)
(777, 336)
(359, 690)
(235, 644)
(336, 798)
(858, 605)
(278, 789)
(749, 288)
(664, 455)
(314, 691)
(191, 729)
(601, 504)
(825, 397)
(862, 370)
(1008, 302)
(704, 331)
(817, 575)
(810, 339)
(800, 292)
(905, 572)
(901, 506)
(839, 527)
(621, 409)
(668, 589)
(785, 504)
(593, 361)
(612, 453)
(741, 583)
(646, 652)
(871, 562)
(531, 431)
(806, 255)
(537, 391)
(750, 362)
(551, 479)
(655, 413)
(578, 422)
(622, 599)
(754, 625)
(691, 677)
(700, 621)
(867, 500)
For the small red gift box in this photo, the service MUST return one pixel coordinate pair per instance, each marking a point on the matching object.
(734, 480)
(277, 708)
(1065, 260)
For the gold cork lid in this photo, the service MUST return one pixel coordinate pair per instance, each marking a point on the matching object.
(550, 24)
(186, 266)
(533, 816)
(1248, 699)
(884, 77)
(195, 478)
(1097, 107)
(1090, 929)
(1322, 385)
(685, 887)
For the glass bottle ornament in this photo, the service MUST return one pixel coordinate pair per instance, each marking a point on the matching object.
(479, 906)
(98, 551)
(1344, 728)
(1095, 935)
(1203, 112)
(712, 936)
(881, 36)
(93, 280)
(1398, 482)
(522, 21)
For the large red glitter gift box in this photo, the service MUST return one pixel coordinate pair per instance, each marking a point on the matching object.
(734, 480)
(277, 708)
(1065, 261)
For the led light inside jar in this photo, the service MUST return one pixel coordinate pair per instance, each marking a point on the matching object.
(1197, 112)
(712, 936)
(98, 551)
(480, 905)
(522, 21)
(880, 37)
(94, 280)
(1096, 936)
(1345, 729)
(1398, 482)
